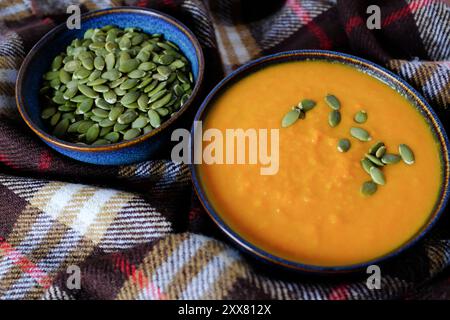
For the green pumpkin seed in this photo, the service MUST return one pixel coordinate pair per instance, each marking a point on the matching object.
(380, 152)
(306, 104)
(100, 112)
(85, 105)
(334, 118)
(127, 117)
(390, 158)
(140, 122)
(290, 118)
(93, 133)
(55, 119)
(131, 134)
(96, 82)
(73, 127)
(369, 188)
(100, 142)
(101, 88)
(61, 128)
(374, 160)
(129, 98)
(136, 74)
(143, 101)
(115, 113)
(360, 134)
(47, 113)
(366, 165)
(84, 126)
(106, 123)
(72, 66)
(57, 63)
(128, 65)
(99, 63)
(147, 66)
(333, 102)
(154, 118)
(112, 137)
(128, 84)
(360, 116)
(88, 92)
(374, 148)
(406, 154)
(118, 127)
(110, 61)
(377, 176)
(163, 111)
(343, 145)
(111, 75)
(161, 102)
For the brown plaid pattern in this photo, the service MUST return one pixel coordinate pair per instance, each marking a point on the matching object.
(138, 231)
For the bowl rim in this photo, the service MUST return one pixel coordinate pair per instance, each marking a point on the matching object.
(360, 64)
(53, 33)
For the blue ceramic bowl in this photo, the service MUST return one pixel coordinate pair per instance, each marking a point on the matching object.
(365, 66)
(41, 55)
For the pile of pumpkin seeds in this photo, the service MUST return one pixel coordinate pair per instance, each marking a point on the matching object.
(374, 160)
(114, 85)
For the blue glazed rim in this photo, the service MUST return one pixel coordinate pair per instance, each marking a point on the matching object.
(55, 32)
(380, 73)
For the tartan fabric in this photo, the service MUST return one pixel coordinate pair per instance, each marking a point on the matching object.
(138, 231)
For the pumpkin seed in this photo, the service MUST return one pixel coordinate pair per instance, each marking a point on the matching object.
(87, 91)
(374, 148)
(377, 176)
(112, 137)
(92, 133)
(344, 145)
(360, 134)
(380, 152)
(406, 154)
(47, 113)
(333, 102)
(154, 118)
(366, 165)
(334, 118)
(374, 160)
(140, 122)
(360, 116)
(61, 128)
(369, 188)
(129, 98)
(131, 134)
(390, 158)
(127, 117)
(306, 104)
(290, 118)
(161, 102)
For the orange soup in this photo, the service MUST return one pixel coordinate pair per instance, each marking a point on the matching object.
(312, 210)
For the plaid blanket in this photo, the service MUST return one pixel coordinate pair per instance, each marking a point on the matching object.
(138, 231)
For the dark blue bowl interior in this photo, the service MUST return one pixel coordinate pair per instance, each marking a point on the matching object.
(56, 42)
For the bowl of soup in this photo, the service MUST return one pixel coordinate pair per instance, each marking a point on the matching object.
(342, 163)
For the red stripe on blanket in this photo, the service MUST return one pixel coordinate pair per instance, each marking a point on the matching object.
(25, 264)
(6, 161)
(339, 293)
(45, 160)
(137, 276)
(314, 28)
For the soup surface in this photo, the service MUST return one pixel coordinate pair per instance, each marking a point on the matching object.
(312, 210)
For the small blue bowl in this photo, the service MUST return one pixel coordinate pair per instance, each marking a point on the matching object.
(369, 68)
(41, 55)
